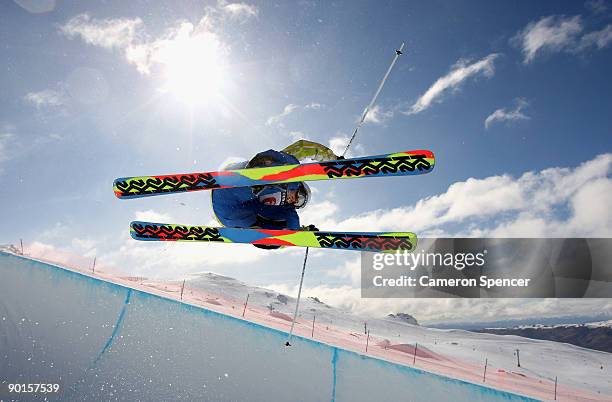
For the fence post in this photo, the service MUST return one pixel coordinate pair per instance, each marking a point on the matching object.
(182, 288)
(21, 241)
(484, 375)
(245, 304)
(555, 388)
(313, 321)
(416, 345)
(368, 341)
(93, 267)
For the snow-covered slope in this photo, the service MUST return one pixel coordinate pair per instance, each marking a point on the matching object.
(101, 340)
(597, 324)
(543, 360)
(594, 335)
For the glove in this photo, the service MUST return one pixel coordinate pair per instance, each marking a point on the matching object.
(310, 228)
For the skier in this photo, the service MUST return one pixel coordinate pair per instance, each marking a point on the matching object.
(270, 206)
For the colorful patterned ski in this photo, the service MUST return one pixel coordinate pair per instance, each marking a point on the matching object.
(358, 241)
(397, 164)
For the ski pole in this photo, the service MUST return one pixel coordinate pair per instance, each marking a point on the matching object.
(398, 52)
(297, 303)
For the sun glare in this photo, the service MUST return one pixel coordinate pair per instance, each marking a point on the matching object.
(194, 67)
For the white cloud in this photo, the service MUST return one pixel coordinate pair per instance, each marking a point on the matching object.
(119, 33)
(552, 33)
(45, 139)
(231, 161)
(297, 135)
(319, 212)
(591, 218)
(58, 232)
(85, 247)
(460, 72)
(49, 252)
(239, 11)
(314, 106)
(290, 108)
(377, 115)
(287, 110)
(233, 13)
(37, 6)
(599, 39)
(152, 216)
(58, 243)
(351, 270)
(557, 33)
(338, 144)
(46, 97)
(129, 36)
(7, 134)
(597, 6)
(501, 115)
(115, 33)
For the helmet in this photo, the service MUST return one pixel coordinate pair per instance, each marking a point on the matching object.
(303, 195)
(277, 194)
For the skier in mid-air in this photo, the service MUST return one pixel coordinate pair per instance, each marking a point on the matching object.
(271, 206)
(259, 206)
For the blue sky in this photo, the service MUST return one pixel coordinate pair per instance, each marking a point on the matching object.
(514, 98)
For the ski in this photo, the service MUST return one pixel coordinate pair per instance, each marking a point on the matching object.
(358, 241)
(395, 164)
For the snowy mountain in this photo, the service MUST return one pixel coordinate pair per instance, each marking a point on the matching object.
(595, 335)
(404, 317)
(310, 307)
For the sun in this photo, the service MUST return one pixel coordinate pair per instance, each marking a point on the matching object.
(194, 66)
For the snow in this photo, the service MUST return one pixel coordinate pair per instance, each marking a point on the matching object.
(576, 367)
(99, 334)
(597, 324)
(607, 323)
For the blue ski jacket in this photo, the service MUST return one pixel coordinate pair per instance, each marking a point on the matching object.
(240, 207)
